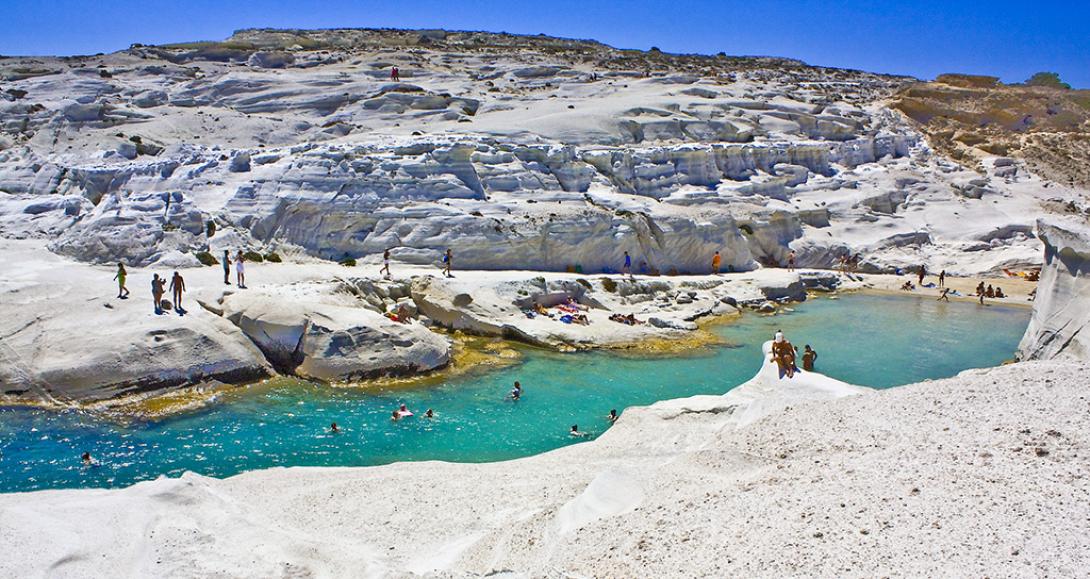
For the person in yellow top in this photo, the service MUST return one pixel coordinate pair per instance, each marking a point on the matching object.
(716, 262)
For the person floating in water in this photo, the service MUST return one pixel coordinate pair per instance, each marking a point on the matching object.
(122, 291)
(429, 414)
(942, 278)
(404, 412)
(87, 461)
(240, 269)
(395, 416)
(385, 264)
(516, 392)
(334, 429)
(157, 292)
(177, 286)
(612, 416)
(627, 267)
(809, 356)
(226, 267)
(945, 296)
(448, 262)
(575, 431)
(717, 261)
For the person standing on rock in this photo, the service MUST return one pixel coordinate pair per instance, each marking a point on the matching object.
(240, 269)
(809, 356)
(385, 264)
(395, 74)
(157, 293)
(627, 267)
(922, 272)
(448, 259)
(791, 261)
(226, 267)
(717, 260)
(942, 278)
(122, 291)
(177, 286)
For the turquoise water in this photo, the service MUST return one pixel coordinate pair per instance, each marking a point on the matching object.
(873, 340)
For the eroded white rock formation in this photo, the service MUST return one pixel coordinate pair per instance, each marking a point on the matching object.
(1060, 326)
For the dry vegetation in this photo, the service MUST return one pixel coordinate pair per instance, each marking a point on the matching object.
(967, 117)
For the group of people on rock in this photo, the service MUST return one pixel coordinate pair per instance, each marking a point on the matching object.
(176, 284)
(989, 292)
(785, 355)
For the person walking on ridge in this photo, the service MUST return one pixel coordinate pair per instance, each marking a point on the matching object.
(627, 267)
(122, 291)
(385, 263)
(177, 286)
(448, 258)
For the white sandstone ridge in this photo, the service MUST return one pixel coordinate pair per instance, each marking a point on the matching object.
(807, 476)
(1060, 326)
(517, 152)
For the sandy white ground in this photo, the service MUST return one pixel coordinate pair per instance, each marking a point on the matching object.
(775, 478)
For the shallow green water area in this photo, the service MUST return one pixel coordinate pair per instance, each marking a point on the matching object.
(879, 341)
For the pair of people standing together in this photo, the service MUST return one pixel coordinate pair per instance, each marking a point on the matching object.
(240, 268)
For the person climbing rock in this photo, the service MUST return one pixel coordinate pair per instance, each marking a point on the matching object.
(122, 291)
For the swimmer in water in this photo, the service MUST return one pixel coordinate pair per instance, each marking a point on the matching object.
(516, 392)
(612, 416)
(395, 416)
(575, 431)
(429, 414)
(334, 429)
(87, 460)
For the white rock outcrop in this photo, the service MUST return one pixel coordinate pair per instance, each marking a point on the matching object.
(1060, 326)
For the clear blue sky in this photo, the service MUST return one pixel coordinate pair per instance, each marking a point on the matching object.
(918, 37)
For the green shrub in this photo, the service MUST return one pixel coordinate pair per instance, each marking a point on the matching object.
(253, 256)
(205, 258)
(609, 285)
(584, 283)
(348, 262)
(272, 257)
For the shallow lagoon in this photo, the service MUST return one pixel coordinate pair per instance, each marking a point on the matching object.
(874, 340)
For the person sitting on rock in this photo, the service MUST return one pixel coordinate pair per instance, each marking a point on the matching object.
(999, 292)
(990, 292)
